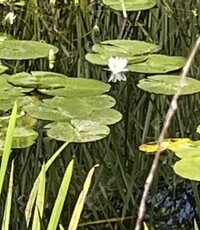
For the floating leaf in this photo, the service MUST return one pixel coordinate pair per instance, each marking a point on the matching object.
(105, 117)
(125, 48)
(188, 149)
(22, 50)
(3, 68)
(188, 168)
(58, 84)
(171, 144)
(23, 79)
(58, 109)
(158, 63)
(168, 84)
(84, 131)
(101, 59)
(131, 5)
(24, 137)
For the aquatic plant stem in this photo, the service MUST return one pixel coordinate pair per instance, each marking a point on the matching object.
(170, 113)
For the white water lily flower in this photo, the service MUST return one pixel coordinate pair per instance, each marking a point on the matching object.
(117, 67)
(10, 17)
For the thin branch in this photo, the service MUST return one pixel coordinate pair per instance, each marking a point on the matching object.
(170, 113)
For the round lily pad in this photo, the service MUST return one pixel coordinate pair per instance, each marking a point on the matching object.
(125, 48)
(188, 168)
(168, 84)
(22, 50)
(131, 5)
(101, 59)
(158, 63)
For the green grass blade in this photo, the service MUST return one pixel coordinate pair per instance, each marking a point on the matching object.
(195, 225)
(80, 202)
(6, 216)
(57, 209)
(39, 207)
(8, 145)
(61, 227)
(31, 200)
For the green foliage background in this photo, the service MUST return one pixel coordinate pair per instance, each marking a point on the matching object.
(119, 180)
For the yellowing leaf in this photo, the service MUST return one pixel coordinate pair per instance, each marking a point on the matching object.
(170, 144)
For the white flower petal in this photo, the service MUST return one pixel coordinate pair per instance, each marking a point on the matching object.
(123, 62)
(117, 64)
(111, 63)
(123, 77)
(111, 78)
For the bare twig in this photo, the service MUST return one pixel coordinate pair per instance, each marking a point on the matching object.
(170, 113)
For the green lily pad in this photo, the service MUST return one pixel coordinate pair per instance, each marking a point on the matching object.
(98, 102)
(125, 48)
(23, 50)
(131, 5)
(168, 84)
(105, 116)
(77, 131)
(3, 68)
(23, 137)
(188, 168)
(58, 109)
(188, 150)
(78, 87)
(59, 85)
(158, 63)
(101, 59)
(23, 79)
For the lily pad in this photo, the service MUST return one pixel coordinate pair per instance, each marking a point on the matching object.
(105, 116)
(78, 87)
(23, 50)
(158, 63)
(125, 48)
(168, 84)
(131, 5)
(188, 149)
(101, 59)
(77, 131)
(23, 137)
(59, 85)
(3, 68)
(188, 168)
